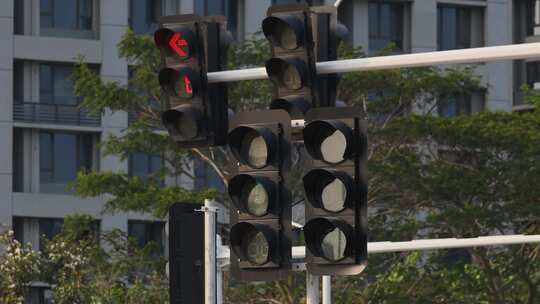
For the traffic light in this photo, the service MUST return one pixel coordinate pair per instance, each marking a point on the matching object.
(292, 66)
(335, 188)
(196, 114)
(328, 33)
(260, 234)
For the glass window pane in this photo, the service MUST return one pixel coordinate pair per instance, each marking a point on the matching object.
(139, 164)
(199, 7)
(464, 28)
(85, 14)
(63, 86)
(65, 157)
(385, 21)
(85, 152)
(49, 228)
(65, 14)
(45, 83)
(138, 232)
(373, 16)
(45, 157)
(232, 17)
(155, 163)
(45, 18)
(448, 28)
(215, 7)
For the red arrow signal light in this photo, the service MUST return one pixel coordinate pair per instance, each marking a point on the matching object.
(179, 42)
(179, 45)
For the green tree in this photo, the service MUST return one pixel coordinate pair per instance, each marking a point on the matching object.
(83, 266)
(429, 176)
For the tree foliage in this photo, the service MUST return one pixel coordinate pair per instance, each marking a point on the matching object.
(429, 176)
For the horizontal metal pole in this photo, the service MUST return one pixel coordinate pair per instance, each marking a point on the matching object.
(299, 252)
(483, 54)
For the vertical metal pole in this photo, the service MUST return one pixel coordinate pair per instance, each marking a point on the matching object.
(312, 289)
(219, 279)
(210, 216)
(326, 290)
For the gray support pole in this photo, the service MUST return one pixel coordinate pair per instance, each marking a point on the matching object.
(312, 289)
(326, 290)
(210, 217)
(219, 279)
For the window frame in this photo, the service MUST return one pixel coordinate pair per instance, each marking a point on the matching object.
(397, 28)
(80, 139)
(53, 98)
(78, 17)
(149, 233)
(460, 27)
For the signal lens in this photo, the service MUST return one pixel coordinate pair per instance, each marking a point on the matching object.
(285, 32)
(253, 194)
(254, 150)
(182, 122)
(328, 189)
(333, 244)
(179, 45)
(286, 73)
(256, 247)
(329, 238)
(252, 146)
(329, 141)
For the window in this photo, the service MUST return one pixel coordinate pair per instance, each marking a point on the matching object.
(39, 295)
(532, 10)
(143, 165)
(145, 232)
(48, 229)
(18, 13)
(144, 15)
(18, 160)
(56, 85)
(459, 27)
(66, 14)
(385, 25)
(453, 106)
(35, 230)
(533, 73)
(61, 156)
(228, 8)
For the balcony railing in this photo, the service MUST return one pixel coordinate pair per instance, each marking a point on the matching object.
(54, 114)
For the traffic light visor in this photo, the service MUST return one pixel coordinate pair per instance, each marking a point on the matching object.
(254, 146)
(253, 195)
(296, 106)
(179, 42)
(289, 73)
(183, 122)
(329, 190)
(330, 239)
(181, 83)
(284, 31)
(252, 242)
(329, 141)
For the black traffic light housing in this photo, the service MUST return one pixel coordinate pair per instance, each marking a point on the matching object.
(335, 188)
(292, 66)
(196, 111)
(328, 33)
(260, 234)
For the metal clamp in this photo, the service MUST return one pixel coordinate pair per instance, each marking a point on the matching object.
(208, 209)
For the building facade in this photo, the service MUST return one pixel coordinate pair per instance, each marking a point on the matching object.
(47, 139)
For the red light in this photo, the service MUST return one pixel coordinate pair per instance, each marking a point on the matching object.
(179, 45)
(187, 85)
